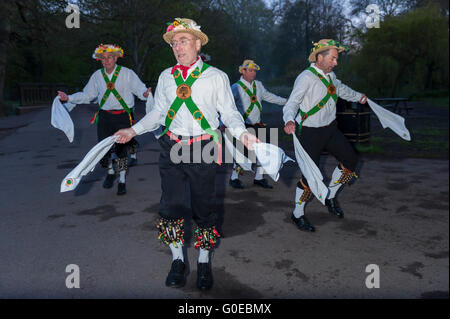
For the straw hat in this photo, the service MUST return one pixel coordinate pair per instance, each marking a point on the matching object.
(102, 48)
(184, 25)
(324, 45)
(249, 64)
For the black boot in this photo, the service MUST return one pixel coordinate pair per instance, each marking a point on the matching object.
(109, 180)
(303, 223)
(236, 183)
(121, 189)
(262, 182)
(204, 276)
(175, 278)
(132, 162)
(333, 207)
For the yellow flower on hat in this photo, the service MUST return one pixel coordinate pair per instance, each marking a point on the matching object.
(324, 45)
(250, 64)
(184, 25)
(107, 48)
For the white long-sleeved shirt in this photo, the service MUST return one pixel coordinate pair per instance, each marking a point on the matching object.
(242, 99)
(127, 84)
(308, 91)
(210, 92)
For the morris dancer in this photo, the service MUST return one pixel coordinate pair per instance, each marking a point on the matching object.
(314, 97)
(248, 95)
(188, 100)
(113, 86)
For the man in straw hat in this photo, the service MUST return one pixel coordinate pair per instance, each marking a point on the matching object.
(188, 100)
(248, 95)
(314, 97)
(113, 86)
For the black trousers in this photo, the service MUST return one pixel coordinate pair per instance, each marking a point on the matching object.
(108, 124)
(328, 138)
(201, 180)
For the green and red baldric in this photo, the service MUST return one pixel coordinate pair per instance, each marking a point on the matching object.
(331, 92)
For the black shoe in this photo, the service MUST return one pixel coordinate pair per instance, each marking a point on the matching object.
(262, 182)
(204, 276)
(303, 223)
(175, 278)
(132, 162)
(109, 180)
(333, 207)
(121, 189)
(236, 183)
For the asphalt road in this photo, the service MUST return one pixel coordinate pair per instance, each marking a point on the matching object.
(396, 218)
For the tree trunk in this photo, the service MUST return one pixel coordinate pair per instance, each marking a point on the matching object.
(400, 72)
(5, 29)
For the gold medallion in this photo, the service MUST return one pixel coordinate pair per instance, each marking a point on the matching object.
(331, 89)
(253, 98)
(184, 91)
(110, 86)
(196, 73)
(171, 114)
(198, 115)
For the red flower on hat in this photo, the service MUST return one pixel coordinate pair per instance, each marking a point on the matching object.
(170, 28)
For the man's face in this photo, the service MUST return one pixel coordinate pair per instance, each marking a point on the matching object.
(249, 75)
(328, 62)
(109, 60)
(185, 47)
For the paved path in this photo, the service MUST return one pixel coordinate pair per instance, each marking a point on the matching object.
(396, 218)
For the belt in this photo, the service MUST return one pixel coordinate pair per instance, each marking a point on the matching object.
(331, 123)
(190, 141)
(115, 112)
(196, 139)
(256, 125)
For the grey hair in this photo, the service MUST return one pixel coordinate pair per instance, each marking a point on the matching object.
(324, 53)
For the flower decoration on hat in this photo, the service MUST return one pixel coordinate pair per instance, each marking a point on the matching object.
(102, 48)
(324, 45)
(184, 25)
(249, 64)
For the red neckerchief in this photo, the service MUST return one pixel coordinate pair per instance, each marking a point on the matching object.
(183, 68)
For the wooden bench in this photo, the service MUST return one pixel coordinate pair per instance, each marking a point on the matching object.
(396, 104)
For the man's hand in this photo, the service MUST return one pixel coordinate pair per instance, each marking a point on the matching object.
(63, 96)
(125, 135)
(290, 127)
(363, 99)
(147, 92)
(249, 140)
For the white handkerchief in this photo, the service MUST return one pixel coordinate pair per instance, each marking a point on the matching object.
(71, 181)
(61, 118)
(271, 158)
(240, 158)
(389, 119)
(310, 171)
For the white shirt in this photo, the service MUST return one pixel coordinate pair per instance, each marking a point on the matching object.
(308, 91)
(127, 84)
(242, 99)
(210, 92)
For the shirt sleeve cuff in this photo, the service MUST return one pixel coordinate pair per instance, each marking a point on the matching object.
(138, 128)
(288, 118)
(237, 132)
